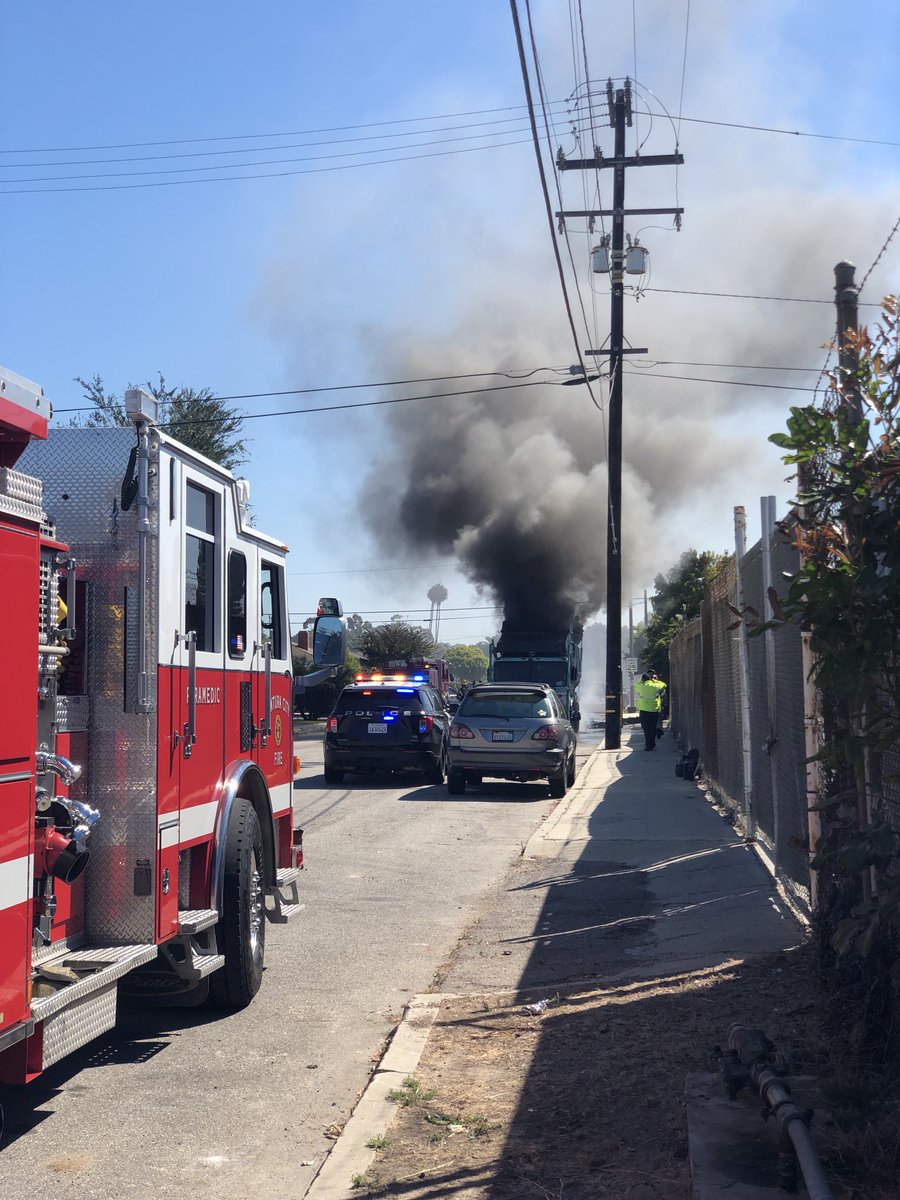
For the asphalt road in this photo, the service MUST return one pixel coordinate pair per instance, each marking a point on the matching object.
(193, 1103)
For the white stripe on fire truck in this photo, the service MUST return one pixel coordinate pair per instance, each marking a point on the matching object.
(168, 830)
(189, 823)
(16, 881)
(280, 794)
(198, 821)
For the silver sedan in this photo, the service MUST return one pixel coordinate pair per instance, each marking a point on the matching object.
(511, 731)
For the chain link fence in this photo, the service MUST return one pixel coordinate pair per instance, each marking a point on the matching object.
(738, 698)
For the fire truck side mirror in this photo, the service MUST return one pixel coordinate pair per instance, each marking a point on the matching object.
(329, 642)
(329, 607)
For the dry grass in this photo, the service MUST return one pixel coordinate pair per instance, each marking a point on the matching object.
(586, 1098)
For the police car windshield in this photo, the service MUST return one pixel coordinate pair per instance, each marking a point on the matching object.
(378, 697)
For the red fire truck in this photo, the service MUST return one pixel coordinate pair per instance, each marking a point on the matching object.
(146, 747)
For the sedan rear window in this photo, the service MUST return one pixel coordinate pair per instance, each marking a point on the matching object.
(375, 697)
(506, 704)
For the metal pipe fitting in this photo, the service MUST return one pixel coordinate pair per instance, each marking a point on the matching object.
(65, 770)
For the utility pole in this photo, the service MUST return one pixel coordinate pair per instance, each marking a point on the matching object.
(619, 117)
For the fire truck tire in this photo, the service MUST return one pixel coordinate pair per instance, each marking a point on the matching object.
(456, 783)
(241, 932)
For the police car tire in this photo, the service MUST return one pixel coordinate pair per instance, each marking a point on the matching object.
(570, 773)
(243, 890)
(333, 776)
(456, 783)
(435, 774)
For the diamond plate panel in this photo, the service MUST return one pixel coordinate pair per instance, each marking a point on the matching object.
(82, 472)
(78, 1024)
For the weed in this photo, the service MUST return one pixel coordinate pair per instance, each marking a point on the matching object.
(410, 1094)
(377, 1142)
(359, 1180)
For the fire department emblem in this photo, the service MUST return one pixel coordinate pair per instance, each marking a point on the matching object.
(277, 729)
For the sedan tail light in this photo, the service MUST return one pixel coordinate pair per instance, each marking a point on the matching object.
(426, 723)
(332, 724)
(458, 730)
(546, 733)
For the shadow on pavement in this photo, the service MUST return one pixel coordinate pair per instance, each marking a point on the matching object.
(642, 911)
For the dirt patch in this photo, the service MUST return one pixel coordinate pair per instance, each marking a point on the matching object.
(580, 1093)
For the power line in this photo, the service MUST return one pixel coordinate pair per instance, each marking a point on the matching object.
(328, 408)
(348, 387)
(371, 570)
(778, 387)
(887, 242)
(511, 108)
(79, 162)
(687, 25)
(120, 187)
(746, 295)
(828, 137)
(523, 65)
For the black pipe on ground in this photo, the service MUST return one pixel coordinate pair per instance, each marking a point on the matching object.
(752, 1061)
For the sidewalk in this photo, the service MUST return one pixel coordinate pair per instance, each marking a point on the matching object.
(600, 973)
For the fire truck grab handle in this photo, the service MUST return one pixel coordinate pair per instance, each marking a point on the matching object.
(190, 728)
(265, 721)
(266, 730)
(67, 633)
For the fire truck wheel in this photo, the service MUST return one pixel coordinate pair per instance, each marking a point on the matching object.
(241, 932)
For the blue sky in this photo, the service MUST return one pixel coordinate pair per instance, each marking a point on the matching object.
(442, 264)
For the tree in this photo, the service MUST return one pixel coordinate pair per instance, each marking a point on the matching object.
(357, 628)
(846, 595)
(194, 416)
(397, 640)
(467, 663)
(320, 700)
(679, 594)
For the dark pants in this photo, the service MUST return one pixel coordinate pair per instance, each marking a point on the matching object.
(649, 722)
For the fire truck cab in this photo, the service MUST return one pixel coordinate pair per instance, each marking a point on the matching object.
(146, 742)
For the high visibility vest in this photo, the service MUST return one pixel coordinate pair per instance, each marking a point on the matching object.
(649, 694)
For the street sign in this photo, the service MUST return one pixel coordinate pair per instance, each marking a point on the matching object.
(631, 666)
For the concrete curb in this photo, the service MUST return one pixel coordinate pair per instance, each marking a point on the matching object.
(374, 1113)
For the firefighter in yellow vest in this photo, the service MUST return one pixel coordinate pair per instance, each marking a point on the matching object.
(649, 694)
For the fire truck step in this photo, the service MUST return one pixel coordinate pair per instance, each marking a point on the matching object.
(105, 964)
(284, 896)
(205, 964)
(282, 913)
(193, 920)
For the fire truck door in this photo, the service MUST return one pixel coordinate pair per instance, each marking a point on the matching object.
(192, 623)
(274, 745)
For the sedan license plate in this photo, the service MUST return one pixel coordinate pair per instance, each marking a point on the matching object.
(502, 735)
(377, 727)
